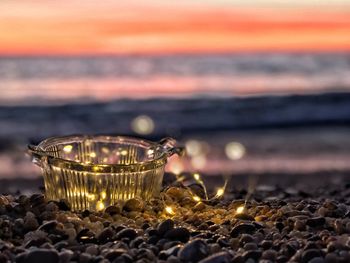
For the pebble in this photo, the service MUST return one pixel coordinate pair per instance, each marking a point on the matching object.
(128, 233)
(113, 210)
(64, 205)
(317, 260)
(134, 204)
(298, 228)
(48, 226)
(105, 235)
(194, 251)
(309, 254)
(165, 226)
(92, 250)
(30, 222)
(221, 257)
(180, 233)
(243, 228)
(244, 217)
(252, 254)
(269, 255)
(316, 221)
(250, 246)
(42, 255)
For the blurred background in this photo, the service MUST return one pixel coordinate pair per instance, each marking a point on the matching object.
(249, 87)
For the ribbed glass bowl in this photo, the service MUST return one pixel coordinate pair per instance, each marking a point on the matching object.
(94, 172)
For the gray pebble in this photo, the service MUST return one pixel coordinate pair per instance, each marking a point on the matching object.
(250, 246)
(194, 251)
(127, 232)
(317, 260)
(165, 226)
(42, 255)
(221, 257)
(309, 254)
(244, 228)
(181, 233)
(105, 235)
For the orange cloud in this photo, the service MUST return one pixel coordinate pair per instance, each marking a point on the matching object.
(115, 29)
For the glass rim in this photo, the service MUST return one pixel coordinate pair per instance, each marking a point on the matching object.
(46, 158)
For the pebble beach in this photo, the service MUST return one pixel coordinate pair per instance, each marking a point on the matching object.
(273, 225)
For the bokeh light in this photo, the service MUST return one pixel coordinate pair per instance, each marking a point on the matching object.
(68, 148)
(169, 210)
(240, 210)
(199, 162)
(235, 150)
(196, 148)
(193, 147)
(176, 166)
(143, 125)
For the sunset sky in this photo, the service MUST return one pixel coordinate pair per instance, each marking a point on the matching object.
(29, 27)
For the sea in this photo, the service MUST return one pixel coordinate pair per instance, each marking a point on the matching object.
(288, 111)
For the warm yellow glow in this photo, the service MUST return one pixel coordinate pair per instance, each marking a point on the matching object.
(100, 206)
(176, 167)
(235, 150)
(169, 210)
(240, 210)
(142, 124)
(92, 154)
(105, 150)
(220, 192)
(124, 152)
(103, 195)
(197, 177)
(180, 178)
(150, 152)
(91, 197)
(196, 198)
(67, 148)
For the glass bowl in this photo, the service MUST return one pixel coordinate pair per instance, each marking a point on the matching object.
(94, 172)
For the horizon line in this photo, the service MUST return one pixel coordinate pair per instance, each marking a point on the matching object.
(180, 53)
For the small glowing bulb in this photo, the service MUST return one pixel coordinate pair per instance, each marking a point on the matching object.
(169, 210)
(180, 178)
(240, 210)
(100, 206)
(124, 152)
(220, 192)
(197, 177)
(67, 148)
(103, 195)
(92, 154)
(196, 198)
(105, 150)
(91, 197)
